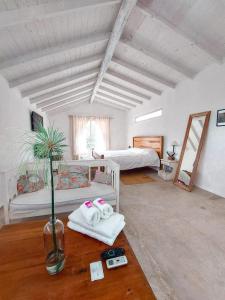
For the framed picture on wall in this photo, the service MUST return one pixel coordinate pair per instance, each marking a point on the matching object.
(220, 117)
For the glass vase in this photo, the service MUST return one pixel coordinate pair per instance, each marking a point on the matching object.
(54, 246)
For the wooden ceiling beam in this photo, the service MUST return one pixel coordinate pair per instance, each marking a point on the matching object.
(65, 102)
(62, 91)
(47, 87)
(62, 106)
(197, 41)
(135, 83)
(55, 70)
(32, 13)
(121, 20)
(144, 73)
(50, 51)
(79, 92)
(124, 90)
(117, 106)
(160, 58)
(119, 96)
(114, 100)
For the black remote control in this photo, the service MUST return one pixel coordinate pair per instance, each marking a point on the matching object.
(112, 252)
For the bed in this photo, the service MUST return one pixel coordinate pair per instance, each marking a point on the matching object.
(146, 152)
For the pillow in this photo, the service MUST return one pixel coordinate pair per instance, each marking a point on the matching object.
(29, 183)
(102, 177)
(74, 169)
(71, 180)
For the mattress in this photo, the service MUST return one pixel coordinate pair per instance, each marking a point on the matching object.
(133, 158)
(42, 199)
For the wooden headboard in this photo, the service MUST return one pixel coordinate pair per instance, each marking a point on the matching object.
(154, 142)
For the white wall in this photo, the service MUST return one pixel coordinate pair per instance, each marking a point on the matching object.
(205, 92)
(14, 124)
(118, 126)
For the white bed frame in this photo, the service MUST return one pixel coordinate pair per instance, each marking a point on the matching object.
(8, 184)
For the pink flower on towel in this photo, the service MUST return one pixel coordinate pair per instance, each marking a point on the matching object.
(101, 201)
(89, 204)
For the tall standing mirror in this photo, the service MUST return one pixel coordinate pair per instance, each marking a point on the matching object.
(191, 150)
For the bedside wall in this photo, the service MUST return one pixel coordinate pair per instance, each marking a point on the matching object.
(205, 92)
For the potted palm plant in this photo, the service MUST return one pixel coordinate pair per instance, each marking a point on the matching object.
(48, 146)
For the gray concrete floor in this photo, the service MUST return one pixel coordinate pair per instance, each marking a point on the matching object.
(178, 238)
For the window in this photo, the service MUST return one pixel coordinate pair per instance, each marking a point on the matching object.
(148, 116)
(89, 133)
(92, 137)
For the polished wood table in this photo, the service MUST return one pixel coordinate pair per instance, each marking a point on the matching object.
(23, 275)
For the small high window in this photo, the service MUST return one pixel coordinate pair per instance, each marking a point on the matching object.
(150, 115)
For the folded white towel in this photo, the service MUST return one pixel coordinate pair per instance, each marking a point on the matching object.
(105, 228)
(108, 241)
(90, 213)
(106, 209)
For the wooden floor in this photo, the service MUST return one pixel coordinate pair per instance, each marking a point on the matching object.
(136, 176)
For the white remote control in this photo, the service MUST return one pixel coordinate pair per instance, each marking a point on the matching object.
(96, 271)
(116, 262)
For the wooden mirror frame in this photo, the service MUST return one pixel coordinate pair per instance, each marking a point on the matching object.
(201, 143)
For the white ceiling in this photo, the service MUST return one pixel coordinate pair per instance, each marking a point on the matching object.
(121, 53)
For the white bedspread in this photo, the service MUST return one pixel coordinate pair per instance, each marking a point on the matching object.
(134, 158)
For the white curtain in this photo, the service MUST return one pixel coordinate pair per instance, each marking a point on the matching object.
(86, 132)
(104, 124)
(78, 126)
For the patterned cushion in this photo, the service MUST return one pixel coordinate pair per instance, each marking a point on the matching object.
(102, 177)
(74, 169)
(71, 180)
(29, 183)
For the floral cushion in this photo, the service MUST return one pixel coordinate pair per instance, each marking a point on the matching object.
(74, 169)
(71, 180)
(29, 183)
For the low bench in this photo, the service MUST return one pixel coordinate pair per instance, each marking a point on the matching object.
(39, 203)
